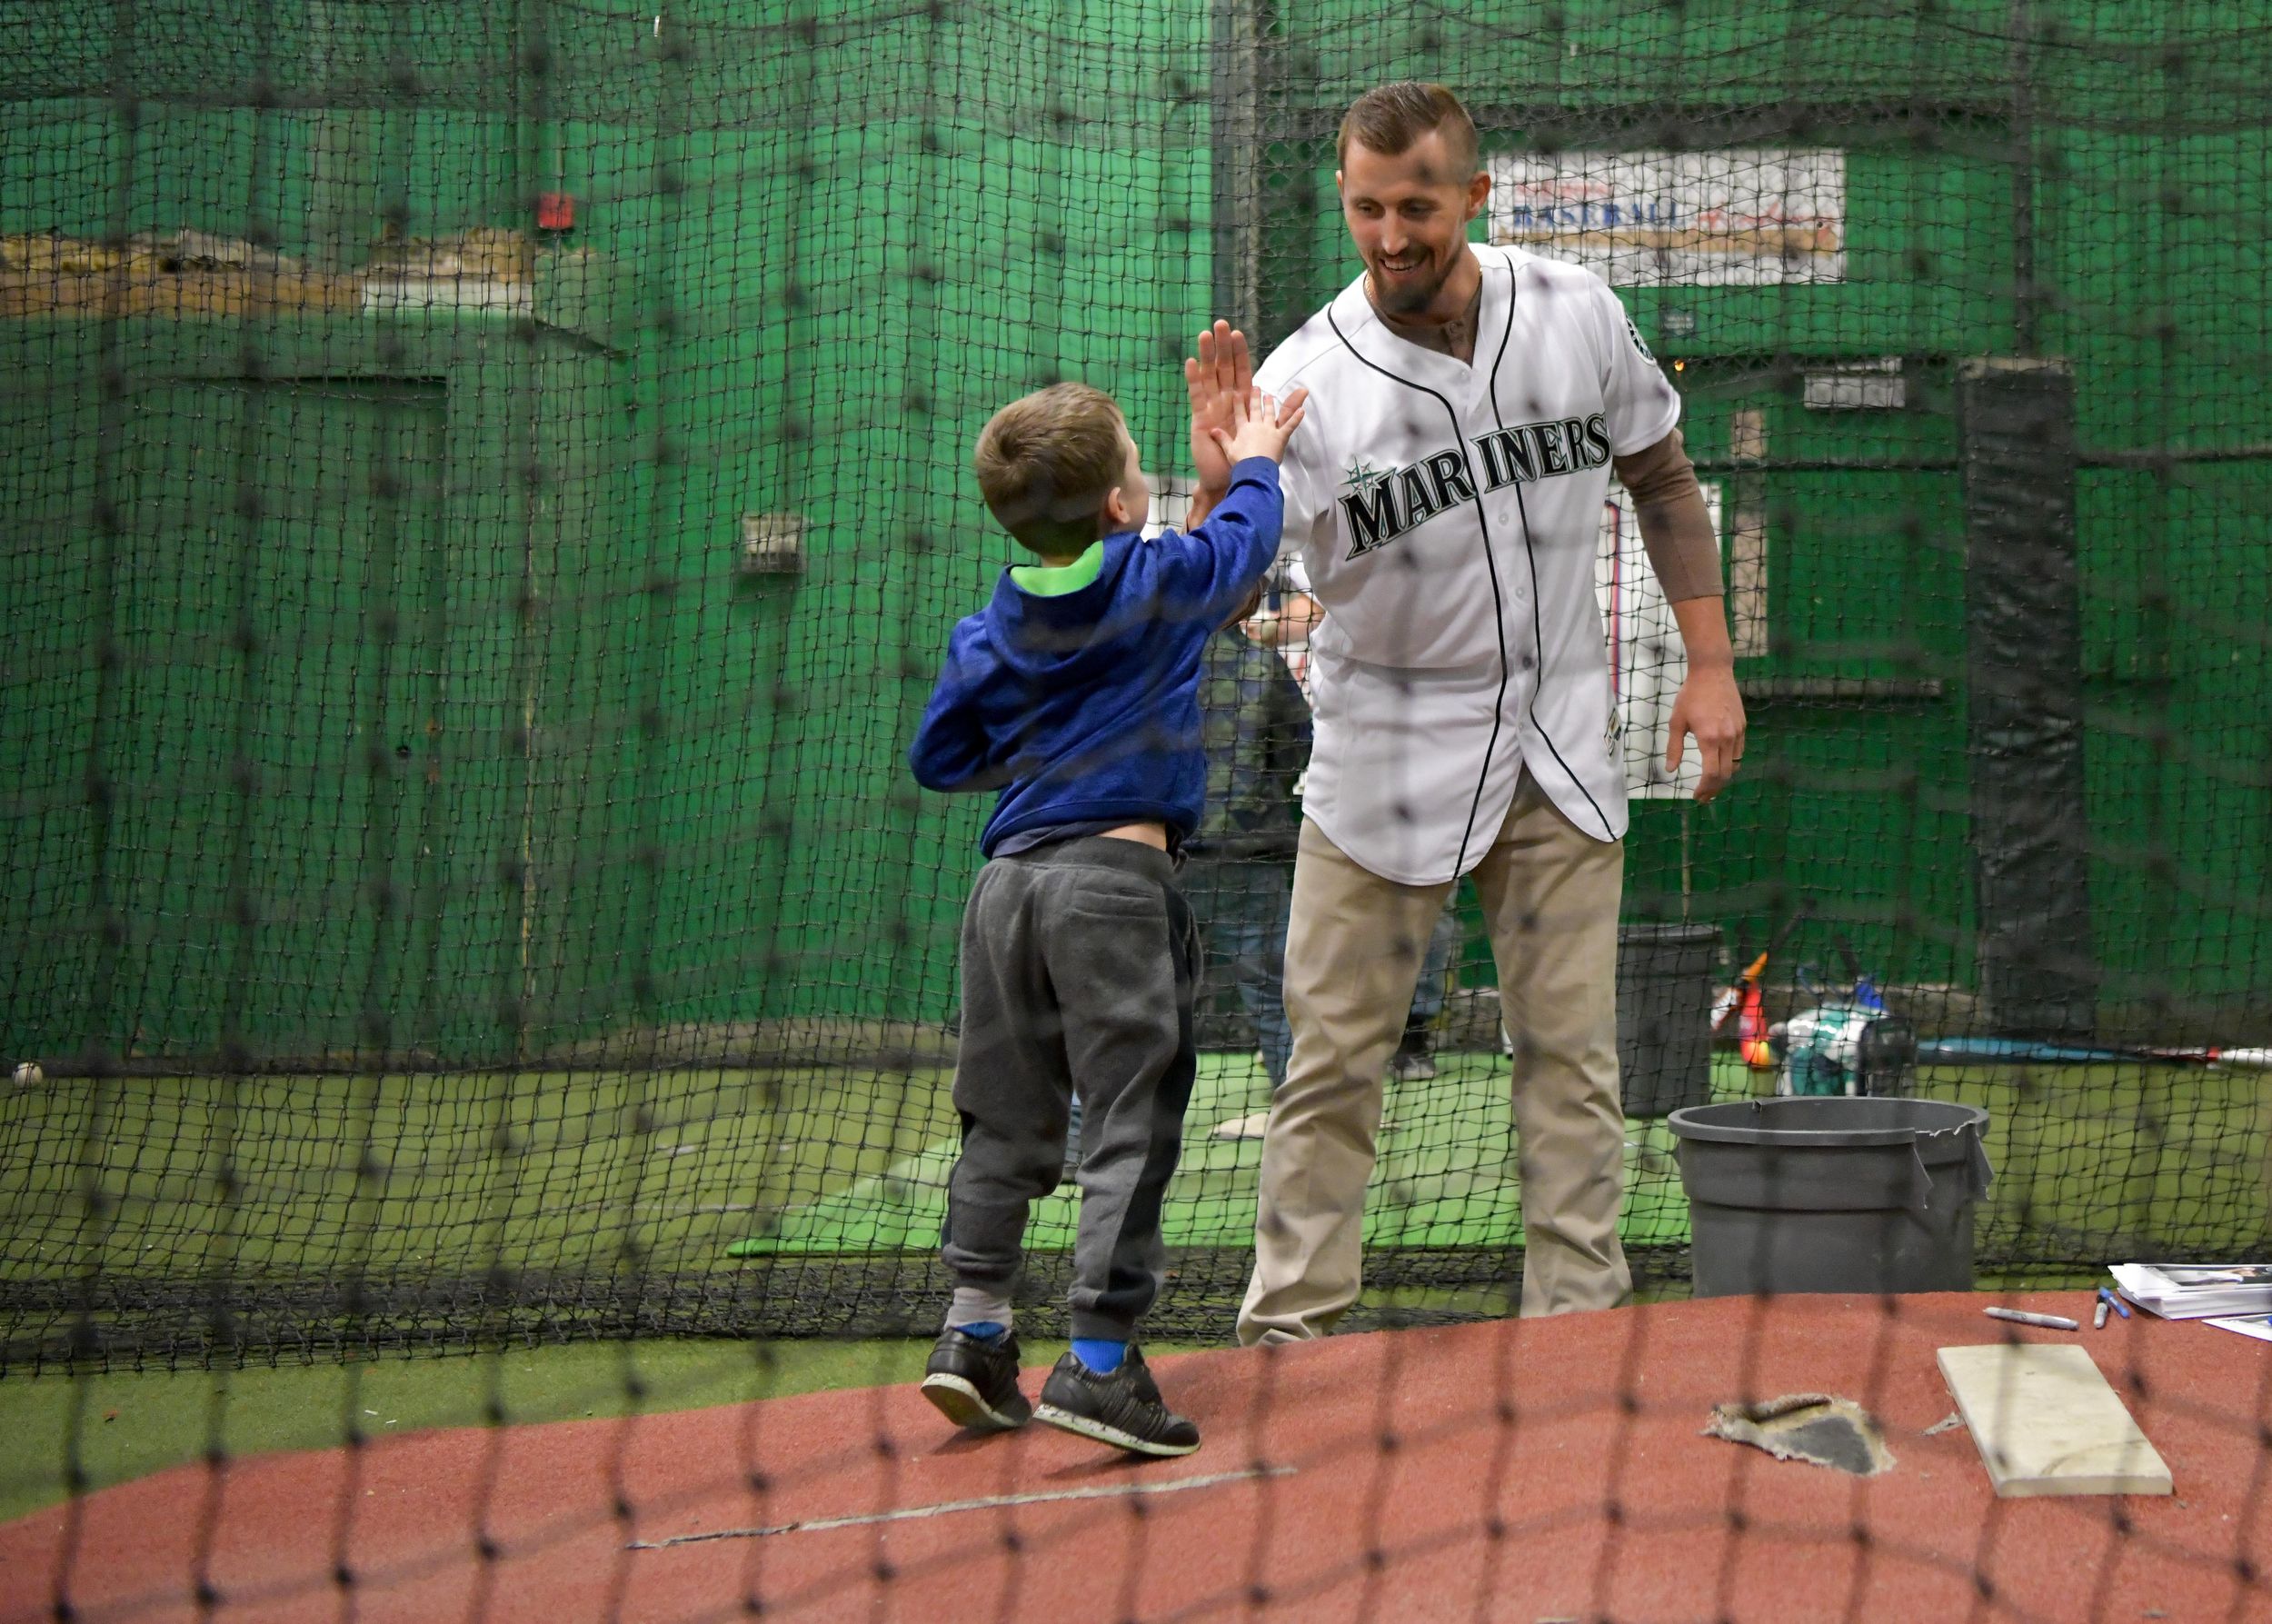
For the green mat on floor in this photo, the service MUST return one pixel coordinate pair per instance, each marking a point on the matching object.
(1446, 1175)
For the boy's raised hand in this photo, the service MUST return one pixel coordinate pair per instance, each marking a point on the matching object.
(1260, 425)
(1218, 378)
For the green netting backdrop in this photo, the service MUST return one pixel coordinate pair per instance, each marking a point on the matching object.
(486, 490)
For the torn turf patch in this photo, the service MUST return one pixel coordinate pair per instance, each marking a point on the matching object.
(1816, 1428)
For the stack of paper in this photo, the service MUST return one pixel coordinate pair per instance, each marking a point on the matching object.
(2258, 1326)
(2197, 1291)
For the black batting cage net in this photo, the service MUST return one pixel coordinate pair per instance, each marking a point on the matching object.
(490, 494)
(489, 490)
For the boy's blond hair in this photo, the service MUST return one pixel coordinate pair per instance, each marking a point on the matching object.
(1046, 463)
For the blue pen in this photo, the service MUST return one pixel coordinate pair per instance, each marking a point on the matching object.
(2120, 1306)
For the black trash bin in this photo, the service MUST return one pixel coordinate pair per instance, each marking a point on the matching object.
(1665, 1016)
(1832, 1193)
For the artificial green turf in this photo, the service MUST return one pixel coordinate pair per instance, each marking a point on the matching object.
(404, 1178)
(398, 1176)
(1446, 1177)
(450, 1173)
(2136, 1158)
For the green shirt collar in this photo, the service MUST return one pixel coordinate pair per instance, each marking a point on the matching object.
(1054, 580)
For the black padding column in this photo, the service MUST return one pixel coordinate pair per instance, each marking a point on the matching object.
(2022, 664)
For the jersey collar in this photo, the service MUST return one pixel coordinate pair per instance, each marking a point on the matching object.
(1374, 340)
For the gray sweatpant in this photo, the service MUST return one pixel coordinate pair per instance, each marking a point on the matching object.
(1080, 961)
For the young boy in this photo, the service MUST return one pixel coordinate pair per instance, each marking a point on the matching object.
(1074, 693)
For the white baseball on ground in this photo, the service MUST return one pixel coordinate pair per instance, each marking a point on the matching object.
(28, 1075)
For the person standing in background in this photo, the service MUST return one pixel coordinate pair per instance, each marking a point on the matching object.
(1468, 404)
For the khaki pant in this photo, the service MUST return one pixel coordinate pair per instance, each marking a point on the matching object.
(1353, 949)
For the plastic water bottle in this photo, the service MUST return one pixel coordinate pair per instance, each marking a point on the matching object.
(1821, 1050)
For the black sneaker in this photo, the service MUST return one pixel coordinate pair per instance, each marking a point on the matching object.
(974, 1381)
(1121, 1409)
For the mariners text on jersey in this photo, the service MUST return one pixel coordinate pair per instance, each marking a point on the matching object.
(1382, 504)
(1467, 656)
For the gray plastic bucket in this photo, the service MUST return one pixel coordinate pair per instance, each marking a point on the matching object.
(1665, 1016)
(1832, 1194)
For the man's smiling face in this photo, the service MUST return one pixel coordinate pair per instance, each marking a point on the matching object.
(1408, 214)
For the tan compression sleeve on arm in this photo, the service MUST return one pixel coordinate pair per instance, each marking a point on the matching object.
(1676, 526)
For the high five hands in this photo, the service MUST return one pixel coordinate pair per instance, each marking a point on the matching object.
(1216, 378)
(1220, 379)
(1260, 426)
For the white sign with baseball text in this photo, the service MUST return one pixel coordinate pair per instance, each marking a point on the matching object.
(1747, 216)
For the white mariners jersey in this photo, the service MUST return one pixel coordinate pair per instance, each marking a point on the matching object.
(1448, 518)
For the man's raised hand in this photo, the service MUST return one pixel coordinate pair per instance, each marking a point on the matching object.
(1217, 379)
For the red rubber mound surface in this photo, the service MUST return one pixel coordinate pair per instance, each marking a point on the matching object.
(1534, 1471)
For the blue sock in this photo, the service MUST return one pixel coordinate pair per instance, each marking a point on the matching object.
(985, 1331)
(1099, 1355)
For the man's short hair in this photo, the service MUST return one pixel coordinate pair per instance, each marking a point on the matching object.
(1045, 464)
(1388, 120)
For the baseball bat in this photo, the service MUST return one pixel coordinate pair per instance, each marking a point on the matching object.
(1958, 1051)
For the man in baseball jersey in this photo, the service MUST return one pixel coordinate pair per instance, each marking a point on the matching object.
(1466, 406)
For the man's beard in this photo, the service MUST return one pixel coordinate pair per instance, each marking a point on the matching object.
(1407, 298)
